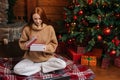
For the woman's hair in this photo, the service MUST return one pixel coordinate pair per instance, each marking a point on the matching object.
(42, 14)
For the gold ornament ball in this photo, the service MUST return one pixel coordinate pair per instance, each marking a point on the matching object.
(73, 24)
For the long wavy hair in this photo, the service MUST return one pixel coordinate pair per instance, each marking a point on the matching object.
(42, 14)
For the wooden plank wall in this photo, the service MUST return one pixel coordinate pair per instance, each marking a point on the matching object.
(19, 10)
(53, 8)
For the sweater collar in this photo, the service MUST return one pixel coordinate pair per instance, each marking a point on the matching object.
(34, 27)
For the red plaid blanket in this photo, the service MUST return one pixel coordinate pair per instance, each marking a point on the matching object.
(73, 71)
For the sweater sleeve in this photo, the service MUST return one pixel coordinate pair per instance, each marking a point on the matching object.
(23, 39)
(52, 45)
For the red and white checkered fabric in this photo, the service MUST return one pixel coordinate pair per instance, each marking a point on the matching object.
(74, 71)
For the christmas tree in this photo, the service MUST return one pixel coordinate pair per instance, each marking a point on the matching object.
(92, 23)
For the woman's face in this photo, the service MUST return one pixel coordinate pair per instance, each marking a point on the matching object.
(37, 19)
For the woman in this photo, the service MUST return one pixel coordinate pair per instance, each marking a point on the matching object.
(35, 61)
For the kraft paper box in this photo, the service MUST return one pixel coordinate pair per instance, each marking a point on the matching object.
(84, 60)
(93, 61)
(37, 47)
(89, 60)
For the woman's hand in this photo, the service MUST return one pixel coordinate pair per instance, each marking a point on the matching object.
(30, 42)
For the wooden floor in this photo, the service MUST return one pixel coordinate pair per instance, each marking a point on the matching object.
(111, 73)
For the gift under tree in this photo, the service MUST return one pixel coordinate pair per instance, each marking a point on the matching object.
(92, 23)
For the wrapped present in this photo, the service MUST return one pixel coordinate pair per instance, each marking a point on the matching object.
(76, 54)
(80, 50)
(93, 61)
(37, 47)
(73, 54)
(84, 60)
(105, 63)
(89, 60)
(117, 61)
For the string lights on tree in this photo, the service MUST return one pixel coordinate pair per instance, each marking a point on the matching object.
(97, 19)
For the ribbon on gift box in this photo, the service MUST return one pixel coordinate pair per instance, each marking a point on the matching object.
(84, 60)
(29, 43)
(92, 61)
(88, 60)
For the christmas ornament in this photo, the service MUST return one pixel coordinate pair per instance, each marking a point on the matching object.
(71, 41)
(107, 31)
(112, 52)
(74, 17)
(111, 26)
(89, 2)
(77, 4)
(67, 24)
(97, 26)
(116, 41)
(65, 16)
(99, 17)
(73, 24)
(117, 15)
(99, 37)
(80, 12)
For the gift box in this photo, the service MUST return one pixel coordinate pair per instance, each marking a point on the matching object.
(88, 60)
(37, 47)
(84, 60)
(117, 62)
(80, 50)
(74, 55)
(29, 43)
(93, 61)
(105, 63)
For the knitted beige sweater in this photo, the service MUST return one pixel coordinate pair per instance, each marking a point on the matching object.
(45, 35)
